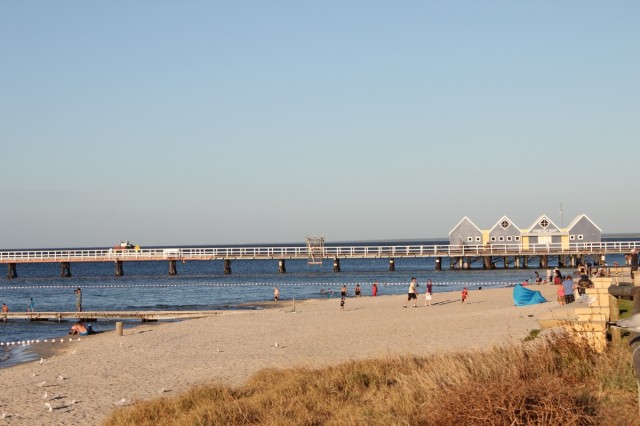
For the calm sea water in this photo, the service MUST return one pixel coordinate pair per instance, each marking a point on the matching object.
(202, 285)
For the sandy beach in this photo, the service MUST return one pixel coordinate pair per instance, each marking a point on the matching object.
(100, 372)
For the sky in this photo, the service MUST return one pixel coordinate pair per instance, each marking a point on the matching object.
(216, 122)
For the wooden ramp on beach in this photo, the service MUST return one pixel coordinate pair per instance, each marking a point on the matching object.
(97, 315)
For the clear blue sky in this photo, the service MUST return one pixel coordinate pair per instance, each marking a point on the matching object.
(220, 122)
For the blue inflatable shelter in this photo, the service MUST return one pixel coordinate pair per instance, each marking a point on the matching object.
(523, 296)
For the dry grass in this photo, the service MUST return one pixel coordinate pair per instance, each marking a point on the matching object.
(545, 382)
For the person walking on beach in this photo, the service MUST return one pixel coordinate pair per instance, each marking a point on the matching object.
(276, 294)
(429, 287)
(5, 308)
(78, 293)
(358, 290)
(412, 294)
(465, 293)
(31, 306)
(343, 291)
(374, 289)
(569, 286)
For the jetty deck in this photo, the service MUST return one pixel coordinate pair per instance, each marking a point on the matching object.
(460, 256)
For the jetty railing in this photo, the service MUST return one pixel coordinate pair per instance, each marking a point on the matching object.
(327, 252)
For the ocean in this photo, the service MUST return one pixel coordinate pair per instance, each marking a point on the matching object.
(202, 285)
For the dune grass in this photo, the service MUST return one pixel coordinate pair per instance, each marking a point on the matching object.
(548, 381)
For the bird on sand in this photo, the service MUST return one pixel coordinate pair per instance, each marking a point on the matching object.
(48, 406)
(120, 402)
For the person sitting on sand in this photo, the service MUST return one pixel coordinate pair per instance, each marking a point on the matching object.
(276, 294)
(80, 329)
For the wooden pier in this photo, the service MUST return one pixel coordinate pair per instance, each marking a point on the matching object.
(460, 256)
(94, 316)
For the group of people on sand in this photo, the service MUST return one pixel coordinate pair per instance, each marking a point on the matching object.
(413, 293)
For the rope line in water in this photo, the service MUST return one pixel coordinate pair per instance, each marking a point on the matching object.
(31, 342)
(256, 284)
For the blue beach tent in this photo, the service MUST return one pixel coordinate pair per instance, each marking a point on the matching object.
(523, 296)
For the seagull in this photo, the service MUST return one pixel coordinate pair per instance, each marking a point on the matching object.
(41, 384)
(41, 361)
(163, 390)
(276, 345)
(218, 350)
(121, 402)
(50, 408)
(46, 395)
(60, 378)
(632, 323)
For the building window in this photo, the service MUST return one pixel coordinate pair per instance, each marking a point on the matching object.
(580, 237)
(477, 239)
(493, 238)
(517, 238)
(500, 238)
(504, 224)
(572, 237)
(509, 238)
(469, 239)
(544, 223)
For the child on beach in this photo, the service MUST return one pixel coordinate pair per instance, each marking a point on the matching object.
(561, 295)
(465, 293)
(31, 306)
(5, 308)
(427, 299)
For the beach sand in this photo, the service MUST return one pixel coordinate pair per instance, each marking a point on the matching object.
(164, 359)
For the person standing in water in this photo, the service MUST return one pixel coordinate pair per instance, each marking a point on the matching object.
(78, 293)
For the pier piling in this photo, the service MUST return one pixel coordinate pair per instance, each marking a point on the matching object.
(65, 269)
(392, 265)
(119, 269)
(12, 271)
(227, 266)
(336, 265)
(173, 269)
(282, 268)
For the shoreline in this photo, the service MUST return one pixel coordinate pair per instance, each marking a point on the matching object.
(163, 359)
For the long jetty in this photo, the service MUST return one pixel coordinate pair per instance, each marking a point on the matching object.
(460, 256)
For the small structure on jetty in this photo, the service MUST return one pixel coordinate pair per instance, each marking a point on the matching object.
(543, 234)
(541, 231)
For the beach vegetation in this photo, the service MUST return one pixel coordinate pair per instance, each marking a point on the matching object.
(532, 334)
(552, 380)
